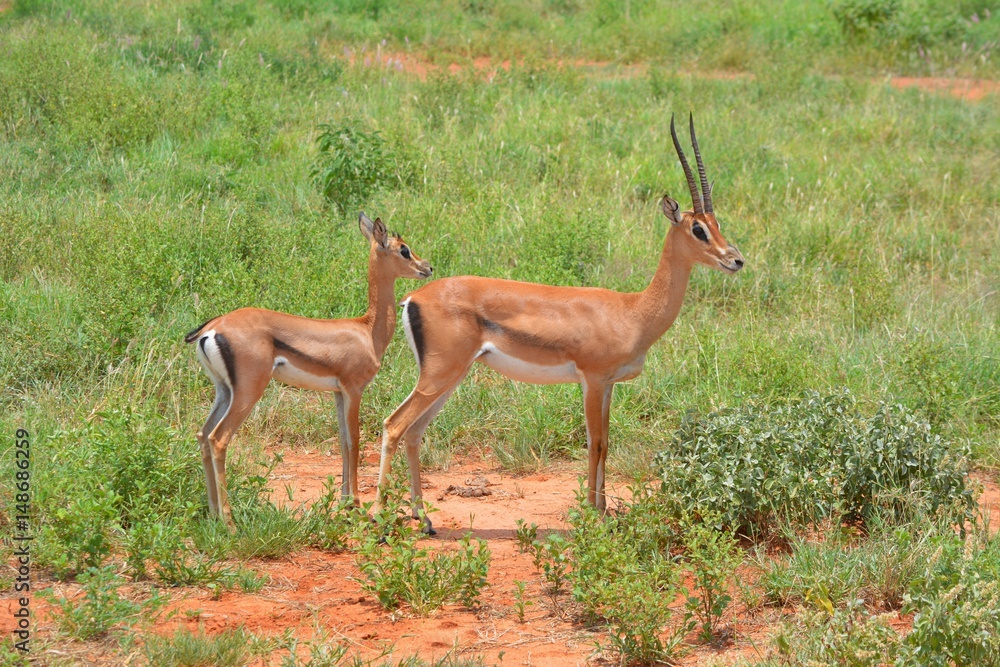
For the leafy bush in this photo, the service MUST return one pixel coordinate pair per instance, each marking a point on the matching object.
(352, 164)
(801, 460)
(623, 572)
(862, 16)
(80, 534)
(957, 605)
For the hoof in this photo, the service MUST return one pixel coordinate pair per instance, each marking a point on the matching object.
(428, 529)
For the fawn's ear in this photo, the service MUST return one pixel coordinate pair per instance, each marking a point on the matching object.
(671, 209)
(374, 231)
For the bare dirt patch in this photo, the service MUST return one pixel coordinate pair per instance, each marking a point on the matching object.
(970, 90)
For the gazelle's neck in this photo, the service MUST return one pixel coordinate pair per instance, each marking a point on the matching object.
(381, 315)
(659, 304)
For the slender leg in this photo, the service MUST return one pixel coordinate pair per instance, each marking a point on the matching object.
(223, 398)
(602, 497)
(245, 396)
(352, 411)
(345, 447)
(413, 437)
(431, 387)
(595, 395)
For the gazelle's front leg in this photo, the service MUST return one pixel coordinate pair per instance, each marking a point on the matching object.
(597, 410)
(349, 420)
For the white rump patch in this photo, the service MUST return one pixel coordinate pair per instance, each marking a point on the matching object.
(409, 333)
(285, 371)
(211, 358)
(525, 371)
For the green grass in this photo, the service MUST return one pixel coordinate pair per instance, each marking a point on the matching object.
(156, 169)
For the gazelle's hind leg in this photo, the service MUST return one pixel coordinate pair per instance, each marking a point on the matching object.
(413, 437)
(245, 396)
(412, 417)
(223, 399)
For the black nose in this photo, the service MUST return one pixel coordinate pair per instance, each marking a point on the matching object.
(739, 262)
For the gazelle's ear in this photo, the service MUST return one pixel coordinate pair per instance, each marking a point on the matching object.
(366, 225)
(671, 209)
(380, 233)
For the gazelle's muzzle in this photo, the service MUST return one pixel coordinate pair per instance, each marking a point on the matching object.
(732, 261)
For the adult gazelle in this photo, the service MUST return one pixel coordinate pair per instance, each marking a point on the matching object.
(544, 334)
(242, 350)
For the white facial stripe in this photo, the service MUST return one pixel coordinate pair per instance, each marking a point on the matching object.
(525, 371)
(285, 371)
(409, 333)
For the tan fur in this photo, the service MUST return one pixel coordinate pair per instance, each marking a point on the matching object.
(603, 335)
(343, 353)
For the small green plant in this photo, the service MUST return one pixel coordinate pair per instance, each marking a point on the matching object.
(79, 535)
(351, 164)
(552, 558)
(248, 581)
(713, 555)
(102, 608)
(329, 519)
(623, 572)
(520, 603)
(396, 570)
(525, 535)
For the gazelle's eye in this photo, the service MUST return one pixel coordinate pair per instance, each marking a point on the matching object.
(405, 252)
(699, 232)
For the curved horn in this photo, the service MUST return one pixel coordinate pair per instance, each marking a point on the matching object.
(692, 186)
(701, 169)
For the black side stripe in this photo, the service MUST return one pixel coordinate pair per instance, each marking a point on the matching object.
(515, 335)
(285, 347)
(228, 358)
(416, 329)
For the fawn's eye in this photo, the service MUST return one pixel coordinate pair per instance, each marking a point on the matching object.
(699, 232)
(405, 252)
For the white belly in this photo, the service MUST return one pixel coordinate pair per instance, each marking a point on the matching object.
(525, 371)
(284, 371)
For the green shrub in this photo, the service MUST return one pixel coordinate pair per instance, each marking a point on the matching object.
(762, 465)
(956, 600)
(80, 534)
(713, 556)
(623, 572)
(352, 164)
(857, 17)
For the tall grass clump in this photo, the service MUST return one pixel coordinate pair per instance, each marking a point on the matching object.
(763, 465)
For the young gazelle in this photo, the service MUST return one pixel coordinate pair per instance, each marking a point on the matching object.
(242, 350)
(545, 335)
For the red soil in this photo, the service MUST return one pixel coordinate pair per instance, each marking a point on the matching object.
(314, 589)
